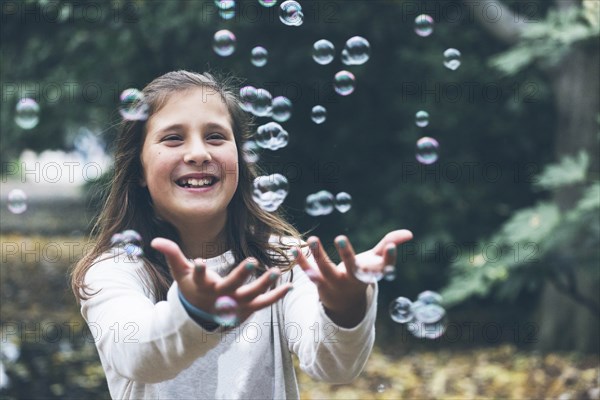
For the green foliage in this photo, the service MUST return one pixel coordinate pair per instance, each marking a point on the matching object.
(526, 246)
(546, 42)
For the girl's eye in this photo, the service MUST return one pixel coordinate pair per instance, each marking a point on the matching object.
(215, 136)
(169, 138)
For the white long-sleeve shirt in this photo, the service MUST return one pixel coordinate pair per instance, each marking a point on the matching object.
(154, 350)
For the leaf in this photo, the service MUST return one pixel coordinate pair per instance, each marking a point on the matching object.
(590, 198)
(531, 224)
(569, 171)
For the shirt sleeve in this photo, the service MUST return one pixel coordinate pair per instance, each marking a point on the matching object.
(325, 350)
(139, 339)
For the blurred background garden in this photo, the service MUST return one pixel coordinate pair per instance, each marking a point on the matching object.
(504, 203)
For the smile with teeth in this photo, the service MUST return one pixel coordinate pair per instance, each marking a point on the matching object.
(196, 182)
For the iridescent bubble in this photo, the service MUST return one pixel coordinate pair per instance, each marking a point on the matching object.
(318, 114)
(427, 150)
(226, 309)
(320, 203)
(248, 96)
(344, 83)
(323, 52)
(400, 310)
(117, 239)
(250, 152)
(227, 14)
(290, 13)
(282, 108)
(368, 267)
(270, 191)
(131, 236)
(430, 297)
(271, 136)
(224, 43)
(225, 4)
(27, 113)
(17, 201)
(263, 104)
(427, 331)
(356, 51)
(133, 250)
(133, 106)
(427, 313)
(267, 3)
(259, 56)
(343, 202)
(452, 59)
(389, 272)
(423, 25)
(422, 118)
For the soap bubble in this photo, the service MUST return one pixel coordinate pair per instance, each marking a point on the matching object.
(320, 203)
(400, 310)
(271, 136)
(133, 106)
(225, 4)
(270, 191)
(389, 272)
(248, 96)
(250, 152)
(27, 114)
(226, 309)
(281, 109)
(267, 3)
(424, 330)
(227, 14)
(224, 43)
(430, 297)
(368, 267)
(290, 13)
(427, 313)
(427, 150)
(263, 103)
(17, 201)
(323, 52)
(130, 242)
(423, 25)
(452, 59)
(318, 114)
(259, 56)
(343, 202)
(356, 51)
(422, 118)
(344, 83)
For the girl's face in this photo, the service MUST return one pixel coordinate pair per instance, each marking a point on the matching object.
(189, 158)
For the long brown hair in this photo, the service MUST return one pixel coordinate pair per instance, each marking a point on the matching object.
(128, 205)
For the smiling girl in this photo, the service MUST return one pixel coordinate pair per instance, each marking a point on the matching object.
(181, 181)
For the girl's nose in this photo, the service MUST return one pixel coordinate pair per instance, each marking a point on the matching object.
(196, 154)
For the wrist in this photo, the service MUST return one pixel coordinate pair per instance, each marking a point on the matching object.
(348, 316)
(201, 317)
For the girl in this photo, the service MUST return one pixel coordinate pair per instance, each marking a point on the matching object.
(180, 177)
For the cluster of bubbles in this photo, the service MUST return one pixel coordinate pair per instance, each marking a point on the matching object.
(270, 191)
(356, 51)
(129, 241)
(226, 311)
(290, 13)
(424, 25)
(133, 106)
(17, 201)
(323, 203)
(260, 102)
(425, 316)
(224, 42)
(452, 59)
(427, 150)
(318, 114)
(27, 114)
(271, 136)
(259, 56)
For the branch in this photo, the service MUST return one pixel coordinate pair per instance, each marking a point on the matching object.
(571, 291)
(495, 17)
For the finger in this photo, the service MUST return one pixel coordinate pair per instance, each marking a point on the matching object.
(199, 271)
(311, 271)
(261, 285)
(346, 252)
(238, 276)
(326, 266)
(178, 264)
(269, 298)
(395, 237)
(389, 255)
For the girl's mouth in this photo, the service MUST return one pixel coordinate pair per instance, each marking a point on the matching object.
(196, 182)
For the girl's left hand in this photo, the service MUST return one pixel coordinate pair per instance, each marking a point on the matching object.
(342, 294)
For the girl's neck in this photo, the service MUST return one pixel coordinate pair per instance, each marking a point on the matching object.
(205, 239)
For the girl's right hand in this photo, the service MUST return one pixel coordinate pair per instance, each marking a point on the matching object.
(202, 287)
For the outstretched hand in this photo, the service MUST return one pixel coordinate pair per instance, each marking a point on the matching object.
(340, 291)
(202, 287)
